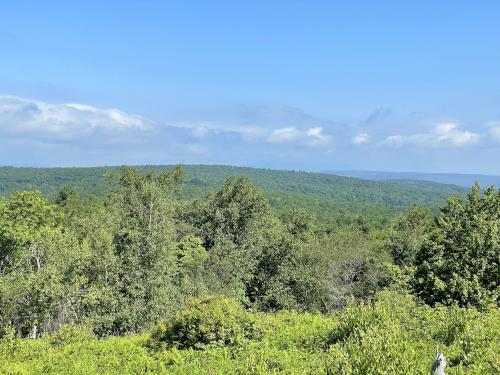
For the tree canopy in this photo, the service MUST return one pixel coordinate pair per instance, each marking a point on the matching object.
(123, 261)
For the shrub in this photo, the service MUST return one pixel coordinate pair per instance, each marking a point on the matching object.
(207, 321)
(7, 341)
(375, 339)
(292, 330)
(71, 333)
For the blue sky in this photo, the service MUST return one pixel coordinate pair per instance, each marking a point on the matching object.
(314, 85)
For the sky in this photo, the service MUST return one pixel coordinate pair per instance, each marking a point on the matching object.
(302, 85)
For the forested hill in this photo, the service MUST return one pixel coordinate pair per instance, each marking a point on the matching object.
(465, 180)
(328, 196)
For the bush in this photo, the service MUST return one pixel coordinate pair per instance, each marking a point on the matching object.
(71, 333)
(208, 321)
(7, 341)
(393, 335)
(293, 330)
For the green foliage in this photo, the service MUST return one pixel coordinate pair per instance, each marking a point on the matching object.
(22, 217)
(408, 234)
(460, 263)
(37, 259)
(392, 336)
(145, 245)
(69, 334)
(401, 332)
(347, 263)
(233, 223)
(205, 322)
(284, 276)
(191, 260)
(332, 199)
(234, 213)
(292, 330)
(66, 195)
(320, 297)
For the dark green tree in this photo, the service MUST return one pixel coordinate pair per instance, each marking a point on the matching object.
(460, 263)
(145, 244)
(284, 277)
(233, 224)
(66, 194)
(408, 234)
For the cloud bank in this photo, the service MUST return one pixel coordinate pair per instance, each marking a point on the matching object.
(36, 119)
(445, 134)
(34, 132)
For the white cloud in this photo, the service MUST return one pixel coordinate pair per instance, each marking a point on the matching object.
(317, 137)
(311, 137)
(449, 134)
(361, 138)
(445, 134)
(315, 132)
(19, 116)
(34, 132)
(39, 121)
(284, 135)
(82, 107)
(202, 130)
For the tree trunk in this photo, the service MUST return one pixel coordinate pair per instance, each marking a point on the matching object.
(34, 332)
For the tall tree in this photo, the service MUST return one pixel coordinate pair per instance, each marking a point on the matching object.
(284, 277)
(35, 258)
(460, 263)
(233, 225)
(408, 234)
(145, 244)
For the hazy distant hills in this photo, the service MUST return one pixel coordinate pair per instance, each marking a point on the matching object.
(328, 196)
(466, 180)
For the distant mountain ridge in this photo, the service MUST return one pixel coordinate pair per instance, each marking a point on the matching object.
(329, 197)
(465, 180)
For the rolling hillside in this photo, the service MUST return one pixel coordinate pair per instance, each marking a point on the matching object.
(330, 197)
(465, 180)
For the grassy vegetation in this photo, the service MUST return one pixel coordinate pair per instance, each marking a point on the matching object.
(393, 336)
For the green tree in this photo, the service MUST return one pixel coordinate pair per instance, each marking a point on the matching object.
(145, 244)
(95, 225)
(66, 194)
(348, 264)
(191, 262)
(39, 266)
(211, 321)
(233, 224)
(460, 263)
(284, 277)
(234, 213)
(408, 234)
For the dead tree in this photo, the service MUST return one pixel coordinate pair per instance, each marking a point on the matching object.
(439, 363)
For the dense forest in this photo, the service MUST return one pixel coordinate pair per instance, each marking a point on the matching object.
(332, 199)
(191, 270)
(465, 180)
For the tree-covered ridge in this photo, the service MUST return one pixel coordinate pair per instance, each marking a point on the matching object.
(331, 198)
(465, 180)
